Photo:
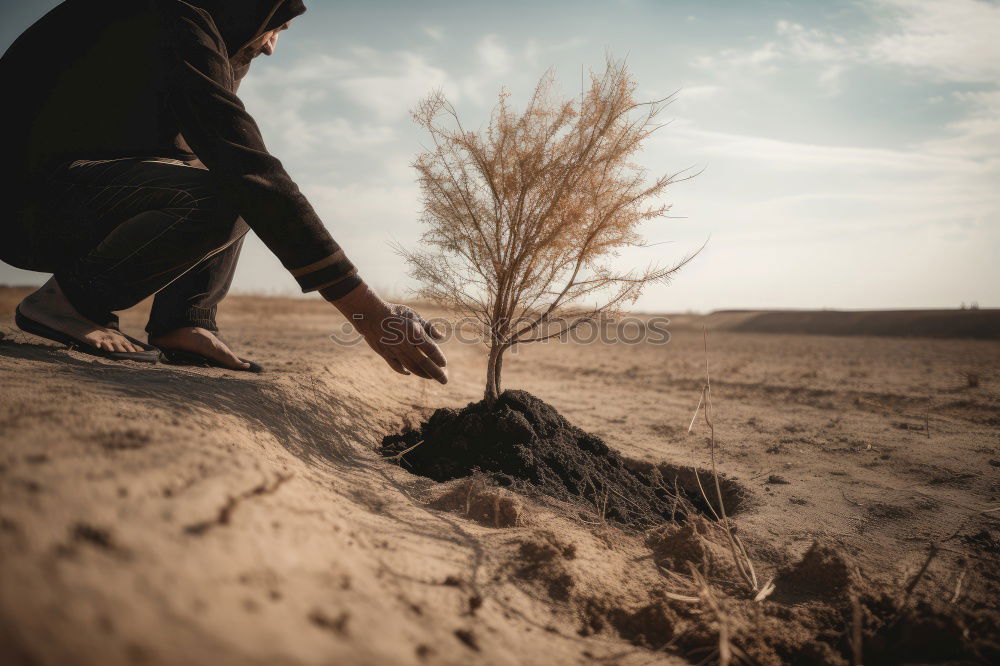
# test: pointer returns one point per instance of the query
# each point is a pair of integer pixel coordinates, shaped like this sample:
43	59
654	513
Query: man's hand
396	333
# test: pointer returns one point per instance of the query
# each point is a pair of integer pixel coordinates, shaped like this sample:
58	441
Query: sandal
178	357
150	354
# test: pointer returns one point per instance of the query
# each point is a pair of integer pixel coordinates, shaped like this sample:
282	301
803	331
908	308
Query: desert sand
165	515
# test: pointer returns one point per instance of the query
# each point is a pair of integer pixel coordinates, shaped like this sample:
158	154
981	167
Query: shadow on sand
312	426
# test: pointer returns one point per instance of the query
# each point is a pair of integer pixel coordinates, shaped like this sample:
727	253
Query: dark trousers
122	230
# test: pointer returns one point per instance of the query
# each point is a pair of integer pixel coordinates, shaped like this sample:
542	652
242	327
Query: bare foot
49	306
199	341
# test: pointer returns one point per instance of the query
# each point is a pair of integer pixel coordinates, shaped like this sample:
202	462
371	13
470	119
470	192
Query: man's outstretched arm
226	139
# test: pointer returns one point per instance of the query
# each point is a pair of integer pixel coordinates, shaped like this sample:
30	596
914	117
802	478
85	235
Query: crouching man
135	170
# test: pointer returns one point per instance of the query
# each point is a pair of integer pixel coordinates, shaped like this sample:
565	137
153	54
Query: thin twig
958	584
399	456
695	415
725	648
844	495
765	590
704	495
742	560
932	552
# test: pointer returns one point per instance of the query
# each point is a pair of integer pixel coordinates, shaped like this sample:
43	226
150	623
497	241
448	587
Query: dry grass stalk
686	588
473	482
524	216
399	456
958	584
678	501
741	557
694	417
725	650
765	590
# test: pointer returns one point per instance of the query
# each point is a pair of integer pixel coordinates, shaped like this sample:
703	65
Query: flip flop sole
178	357
151	355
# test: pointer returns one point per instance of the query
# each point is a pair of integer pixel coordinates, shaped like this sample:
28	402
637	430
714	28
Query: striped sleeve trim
319	265
325	277
341	287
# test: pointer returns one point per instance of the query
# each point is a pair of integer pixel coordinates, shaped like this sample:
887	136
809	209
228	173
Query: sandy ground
160	515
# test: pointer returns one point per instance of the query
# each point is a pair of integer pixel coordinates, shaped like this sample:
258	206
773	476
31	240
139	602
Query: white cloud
289	110
760	59
811	44
941	41
976	135
314	69
830	79
945	40
385	85
434	32
405	79
951	40
493	54
793	156
698	92
535	51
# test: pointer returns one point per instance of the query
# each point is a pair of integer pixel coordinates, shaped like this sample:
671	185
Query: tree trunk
497	367
493	366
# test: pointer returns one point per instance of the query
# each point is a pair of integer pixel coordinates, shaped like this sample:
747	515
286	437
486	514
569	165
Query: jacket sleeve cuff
341	287
325	273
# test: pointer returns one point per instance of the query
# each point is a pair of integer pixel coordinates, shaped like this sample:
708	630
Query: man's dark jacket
100	79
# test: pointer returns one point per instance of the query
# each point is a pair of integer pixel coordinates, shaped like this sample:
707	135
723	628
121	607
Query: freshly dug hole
525	444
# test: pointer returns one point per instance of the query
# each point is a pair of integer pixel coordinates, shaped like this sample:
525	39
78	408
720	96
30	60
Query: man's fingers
429	328
424	354
422	342
410	349
429	368
413	365
433	352
408	360
433	330
396	365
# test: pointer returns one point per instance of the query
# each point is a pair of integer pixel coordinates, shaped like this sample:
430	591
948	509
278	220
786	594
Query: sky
849	151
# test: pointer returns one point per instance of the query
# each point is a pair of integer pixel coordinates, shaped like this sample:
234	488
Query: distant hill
975	324
983	324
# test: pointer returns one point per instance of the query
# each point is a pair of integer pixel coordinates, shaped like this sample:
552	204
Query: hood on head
242	21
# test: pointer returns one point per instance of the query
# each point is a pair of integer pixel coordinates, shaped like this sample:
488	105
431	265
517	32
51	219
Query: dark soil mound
526	444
